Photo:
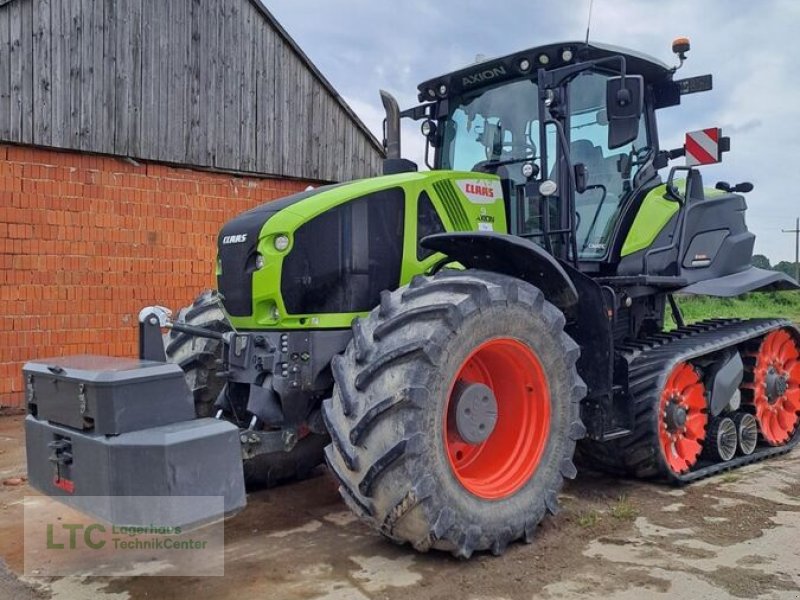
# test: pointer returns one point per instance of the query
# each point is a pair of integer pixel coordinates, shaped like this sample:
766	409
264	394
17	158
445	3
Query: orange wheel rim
499	466
683	418
776	387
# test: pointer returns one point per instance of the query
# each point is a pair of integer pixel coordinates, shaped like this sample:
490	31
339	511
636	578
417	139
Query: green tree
785	267
760	261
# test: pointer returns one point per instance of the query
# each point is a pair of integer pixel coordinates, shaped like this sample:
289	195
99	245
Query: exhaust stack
391	128
391	138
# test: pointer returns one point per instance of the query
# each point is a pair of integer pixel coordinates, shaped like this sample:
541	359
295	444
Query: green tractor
449	339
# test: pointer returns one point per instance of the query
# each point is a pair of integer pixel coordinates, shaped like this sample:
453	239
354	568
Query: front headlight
259	262
281	242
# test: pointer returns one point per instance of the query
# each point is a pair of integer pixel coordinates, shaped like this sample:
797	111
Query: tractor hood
239	241
318	258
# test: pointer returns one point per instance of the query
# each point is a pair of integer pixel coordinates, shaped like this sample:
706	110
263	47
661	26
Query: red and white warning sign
703	147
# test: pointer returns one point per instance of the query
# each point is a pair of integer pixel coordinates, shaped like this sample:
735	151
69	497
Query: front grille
237	245
235	283
342	259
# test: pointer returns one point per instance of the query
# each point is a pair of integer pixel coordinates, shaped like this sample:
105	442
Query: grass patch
588	520
623	509
730	478
749	306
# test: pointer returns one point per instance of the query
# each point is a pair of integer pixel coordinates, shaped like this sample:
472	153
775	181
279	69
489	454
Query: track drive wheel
455	412
669	428
773	386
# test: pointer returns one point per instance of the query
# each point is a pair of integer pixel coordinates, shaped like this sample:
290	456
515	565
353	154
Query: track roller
746	432
722	440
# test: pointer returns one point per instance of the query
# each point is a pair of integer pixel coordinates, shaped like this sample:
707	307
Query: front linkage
274	382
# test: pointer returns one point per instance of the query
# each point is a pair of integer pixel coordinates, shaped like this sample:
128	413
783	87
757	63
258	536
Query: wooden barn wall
198	82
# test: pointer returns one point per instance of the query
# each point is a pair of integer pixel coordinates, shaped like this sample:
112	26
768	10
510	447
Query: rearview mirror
624	106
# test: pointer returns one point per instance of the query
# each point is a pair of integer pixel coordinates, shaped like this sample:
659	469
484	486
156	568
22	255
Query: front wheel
200	358
455	412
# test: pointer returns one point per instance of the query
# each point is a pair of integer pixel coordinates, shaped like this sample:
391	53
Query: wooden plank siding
208	83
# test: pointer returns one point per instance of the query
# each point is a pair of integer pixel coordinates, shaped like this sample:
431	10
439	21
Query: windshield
495	127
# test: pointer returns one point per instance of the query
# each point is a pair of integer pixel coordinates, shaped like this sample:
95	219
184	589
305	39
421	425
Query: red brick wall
87	241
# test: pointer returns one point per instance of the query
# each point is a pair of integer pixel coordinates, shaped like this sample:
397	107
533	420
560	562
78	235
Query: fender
509	255
751	279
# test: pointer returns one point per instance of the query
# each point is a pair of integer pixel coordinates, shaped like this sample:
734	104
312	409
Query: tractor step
651	361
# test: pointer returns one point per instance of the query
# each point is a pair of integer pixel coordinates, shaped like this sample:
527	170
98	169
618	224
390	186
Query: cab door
609	172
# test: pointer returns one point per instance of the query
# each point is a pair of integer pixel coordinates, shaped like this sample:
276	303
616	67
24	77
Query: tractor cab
570	130
501	130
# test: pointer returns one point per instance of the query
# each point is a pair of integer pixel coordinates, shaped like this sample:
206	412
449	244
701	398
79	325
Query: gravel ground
735	536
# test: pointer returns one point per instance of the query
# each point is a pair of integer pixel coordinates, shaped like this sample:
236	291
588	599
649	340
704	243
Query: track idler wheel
722	440
774	387
683	417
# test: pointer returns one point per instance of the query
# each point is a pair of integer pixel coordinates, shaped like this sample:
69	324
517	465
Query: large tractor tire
201	360
455	413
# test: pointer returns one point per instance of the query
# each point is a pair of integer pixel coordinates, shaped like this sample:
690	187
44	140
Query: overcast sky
749	46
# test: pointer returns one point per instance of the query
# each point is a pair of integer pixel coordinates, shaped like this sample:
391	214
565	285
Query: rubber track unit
650	361
386	440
